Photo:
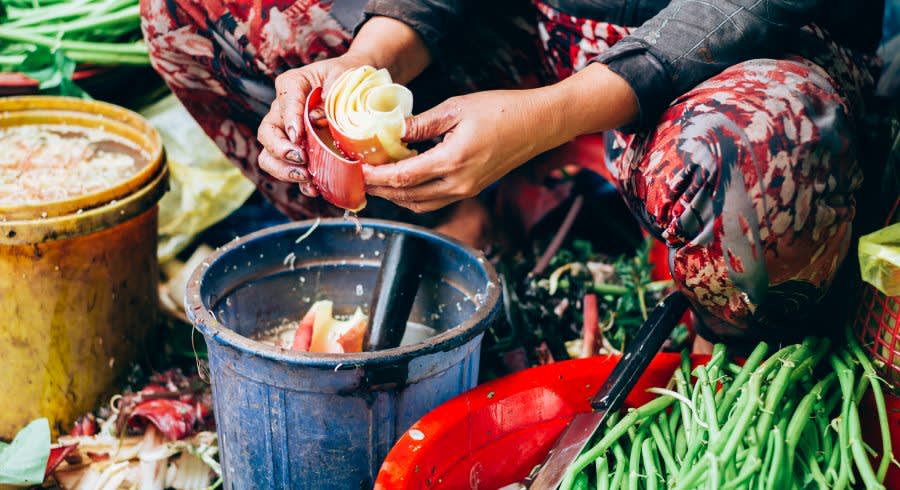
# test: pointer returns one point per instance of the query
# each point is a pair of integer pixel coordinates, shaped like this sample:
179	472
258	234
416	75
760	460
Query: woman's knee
749	178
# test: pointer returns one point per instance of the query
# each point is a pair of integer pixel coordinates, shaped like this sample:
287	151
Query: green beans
789	420
878	395
602	468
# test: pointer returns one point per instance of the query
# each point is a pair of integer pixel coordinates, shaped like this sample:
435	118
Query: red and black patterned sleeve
434	20
689	41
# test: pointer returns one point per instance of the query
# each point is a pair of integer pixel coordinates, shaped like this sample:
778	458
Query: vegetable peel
339	180
365	116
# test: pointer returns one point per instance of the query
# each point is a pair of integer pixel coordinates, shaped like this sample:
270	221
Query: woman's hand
281	130
382	42
488	134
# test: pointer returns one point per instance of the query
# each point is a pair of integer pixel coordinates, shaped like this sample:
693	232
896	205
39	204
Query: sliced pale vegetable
367	114
336	336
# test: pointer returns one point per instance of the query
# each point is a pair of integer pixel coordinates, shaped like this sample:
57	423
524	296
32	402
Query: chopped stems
560	236
21	36
128	15
92	32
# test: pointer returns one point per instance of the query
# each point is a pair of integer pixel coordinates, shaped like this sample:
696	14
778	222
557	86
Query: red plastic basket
878	326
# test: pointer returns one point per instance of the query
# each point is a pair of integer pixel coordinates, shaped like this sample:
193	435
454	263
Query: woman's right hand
281	130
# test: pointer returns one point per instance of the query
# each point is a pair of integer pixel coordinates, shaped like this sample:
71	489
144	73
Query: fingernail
292	134
298	174
295	156
308	190
316	114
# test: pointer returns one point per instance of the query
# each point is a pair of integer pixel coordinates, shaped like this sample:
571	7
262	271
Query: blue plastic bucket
300	420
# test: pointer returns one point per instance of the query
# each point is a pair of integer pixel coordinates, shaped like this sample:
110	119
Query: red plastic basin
496	433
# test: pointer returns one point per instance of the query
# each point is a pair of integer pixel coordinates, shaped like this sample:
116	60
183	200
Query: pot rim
204	320
52	109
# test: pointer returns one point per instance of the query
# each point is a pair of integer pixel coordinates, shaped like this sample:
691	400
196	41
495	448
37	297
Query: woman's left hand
486	135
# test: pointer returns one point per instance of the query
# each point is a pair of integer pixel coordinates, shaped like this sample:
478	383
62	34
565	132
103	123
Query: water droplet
351	217
416	434
366	233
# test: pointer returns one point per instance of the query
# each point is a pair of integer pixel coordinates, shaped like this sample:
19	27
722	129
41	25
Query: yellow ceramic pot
78	278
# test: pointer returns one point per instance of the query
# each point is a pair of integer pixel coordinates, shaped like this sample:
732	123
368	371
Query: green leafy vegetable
45	39
24	461
54	72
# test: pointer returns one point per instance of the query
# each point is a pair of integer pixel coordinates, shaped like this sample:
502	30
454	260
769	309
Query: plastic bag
879	259
204	186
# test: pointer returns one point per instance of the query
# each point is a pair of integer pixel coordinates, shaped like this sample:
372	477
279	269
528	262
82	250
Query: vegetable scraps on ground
583	304
159	437
45	39
365	114
788	419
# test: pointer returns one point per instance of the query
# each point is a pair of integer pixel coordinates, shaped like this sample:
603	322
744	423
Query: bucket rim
74	111
204	320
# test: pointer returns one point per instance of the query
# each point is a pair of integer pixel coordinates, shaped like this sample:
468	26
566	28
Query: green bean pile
786	421
97	32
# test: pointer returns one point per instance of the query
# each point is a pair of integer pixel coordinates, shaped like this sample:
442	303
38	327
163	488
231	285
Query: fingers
291	89
428	206
425	192
411	171
309	190
432	123
271	135
286	172
281	169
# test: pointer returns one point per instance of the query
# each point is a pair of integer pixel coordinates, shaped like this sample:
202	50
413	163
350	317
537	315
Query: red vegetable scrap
86	425
304	333
58	454
544	356
176	405
173	418
590	326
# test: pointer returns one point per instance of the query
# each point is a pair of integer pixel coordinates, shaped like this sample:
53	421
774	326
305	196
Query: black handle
395	291
647	342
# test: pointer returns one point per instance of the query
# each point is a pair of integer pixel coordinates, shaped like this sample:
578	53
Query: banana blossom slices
367	115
